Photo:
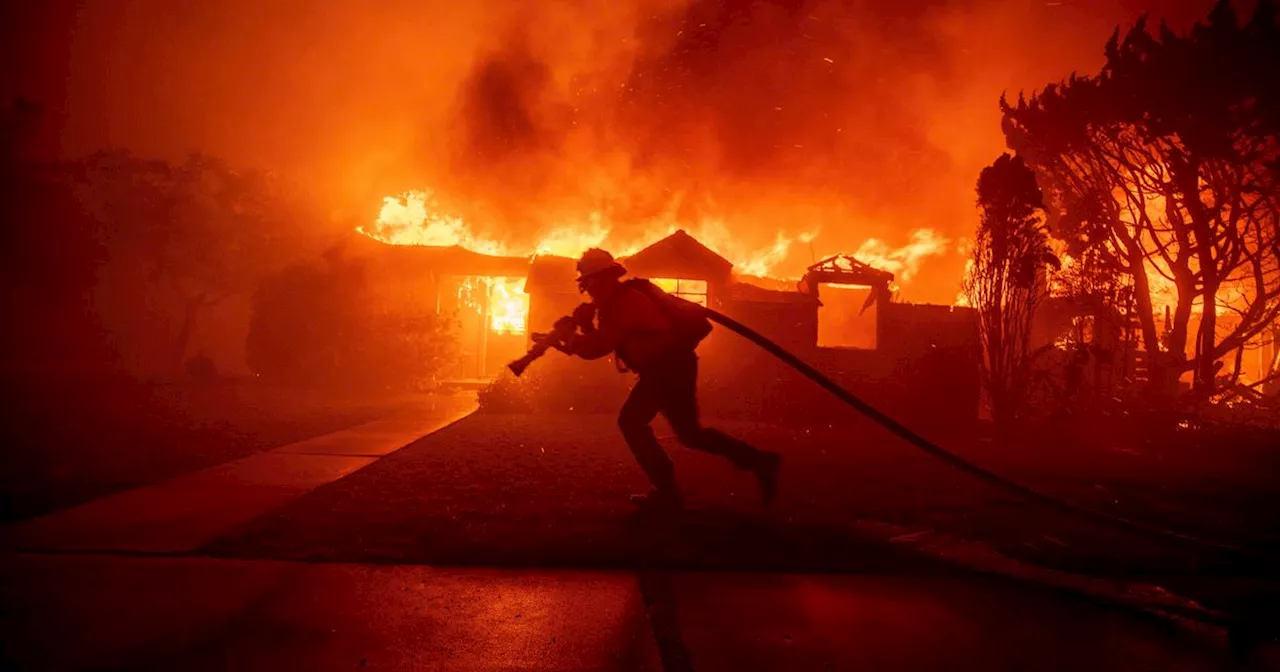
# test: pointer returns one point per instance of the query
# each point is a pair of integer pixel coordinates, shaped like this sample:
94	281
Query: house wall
545	307
924	372
937	349
924	369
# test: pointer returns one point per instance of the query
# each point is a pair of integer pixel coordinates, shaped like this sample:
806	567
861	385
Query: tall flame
903	262
508	306
416	218
572	241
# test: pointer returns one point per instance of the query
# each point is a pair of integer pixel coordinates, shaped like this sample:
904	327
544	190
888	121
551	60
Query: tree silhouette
49	255
1165	166
188	235
1005	280
319	323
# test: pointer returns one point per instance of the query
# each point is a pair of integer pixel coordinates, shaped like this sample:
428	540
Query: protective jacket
630	324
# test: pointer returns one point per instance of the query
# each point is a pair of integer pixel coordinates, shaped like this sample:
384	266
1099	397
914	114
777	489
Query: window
508	305
689	290
845	320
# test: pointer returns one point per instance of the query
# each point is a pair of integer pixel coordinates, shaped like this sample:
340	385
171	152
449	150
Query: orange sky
868	119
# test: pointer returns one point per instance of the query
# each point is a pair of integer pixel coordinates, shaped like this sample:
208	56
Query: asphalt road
507	542
504	489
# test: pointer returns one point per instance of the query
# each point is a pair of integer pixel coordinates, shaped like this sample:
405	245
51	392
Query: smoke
848	120
855	121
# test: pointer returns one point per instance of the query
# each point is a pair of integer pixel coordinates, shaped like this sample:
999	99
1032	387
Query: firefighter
642	326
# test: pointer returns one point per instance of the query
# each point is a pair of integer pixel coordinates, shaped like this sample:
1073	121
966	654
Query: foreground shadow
694	540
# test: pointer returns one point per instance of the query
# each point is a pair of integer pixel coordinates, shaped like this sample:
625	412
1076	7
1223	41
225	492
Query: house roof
552	273
679	255
844	269
453	260
746	292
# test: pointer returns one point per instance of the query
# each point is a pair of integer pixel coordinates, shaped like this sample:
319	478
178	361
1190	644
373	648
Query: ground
69	443
506	541
551	490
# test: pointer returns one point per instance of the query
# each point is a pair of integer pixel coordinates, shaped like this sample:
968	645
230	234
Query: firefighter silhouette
655	335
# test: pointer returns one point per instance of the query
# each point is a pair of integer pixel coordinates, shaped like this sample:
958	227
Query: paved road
355	573
70	612
184	513
498	489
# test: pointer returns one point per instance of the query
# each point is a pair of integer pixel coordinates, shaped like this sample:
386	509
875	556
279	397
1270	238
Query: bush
319	324
557	384
201	369
401	350
509	394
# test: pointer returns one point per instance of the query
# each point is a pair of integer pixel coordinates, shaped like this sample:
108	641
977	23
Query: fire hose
906	434
1244	630
556	339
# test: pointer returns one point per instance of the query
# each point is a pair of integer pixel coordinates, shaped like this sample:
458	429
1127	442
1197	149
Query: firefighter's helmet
596	262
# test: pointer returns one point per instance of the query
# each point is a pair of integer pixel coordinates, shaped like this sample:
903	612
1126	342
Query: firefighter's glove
584	316
566	325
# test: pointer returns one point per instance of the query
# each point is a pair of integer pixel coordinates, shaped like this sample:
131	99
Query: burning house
919	360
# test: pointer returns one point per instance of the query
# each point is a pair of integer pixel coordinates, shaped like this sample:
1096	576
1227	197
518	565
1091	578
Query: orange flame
572	241
508	306
416	218
903	262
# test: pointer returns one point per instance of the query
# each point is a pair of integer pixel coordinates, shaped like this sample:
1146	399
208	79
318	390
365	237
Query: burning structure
840	315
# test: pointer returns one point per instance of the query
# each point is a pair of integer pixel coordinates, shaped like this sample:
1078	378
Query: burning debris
495	308
416	218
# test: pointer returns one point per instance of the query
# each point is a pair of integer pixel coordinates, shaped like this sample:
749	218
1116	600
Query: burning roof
447	260
664	249
843	269
679	255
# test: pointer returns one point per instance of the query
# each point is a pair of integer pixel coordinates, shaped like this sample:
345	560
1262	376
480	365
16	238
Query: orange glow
538	114
570	241
903	262
690	290
505	298
1151	228
416	218
508	306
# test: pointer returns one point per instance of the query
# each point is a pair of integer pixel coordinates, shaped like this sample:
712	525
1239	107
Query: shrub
319	324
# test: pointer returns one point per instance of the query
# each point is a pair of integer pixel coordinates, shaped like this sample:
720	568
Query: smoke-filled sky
851	119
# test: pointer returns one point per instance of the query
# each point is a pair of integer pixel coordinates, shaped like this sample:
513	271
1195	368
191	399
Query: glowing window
508	305
846	320
689	290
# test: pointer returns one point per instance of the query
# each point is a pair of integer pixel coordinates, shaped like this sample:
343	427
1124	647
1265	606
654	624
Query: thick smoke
849	119
856	120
